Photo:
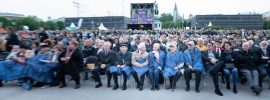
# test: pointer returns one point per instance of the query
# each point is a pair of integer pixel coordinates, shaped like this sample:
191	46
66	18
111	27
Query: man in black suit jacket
122	62
212	65
105	59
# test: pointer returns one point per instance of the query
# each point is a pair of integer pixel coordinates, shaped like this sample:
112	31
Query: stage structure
142	16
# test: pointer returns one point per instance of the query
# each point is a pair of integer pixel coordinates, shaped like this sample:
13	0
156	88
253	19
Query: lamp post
49	19
196	26
182	23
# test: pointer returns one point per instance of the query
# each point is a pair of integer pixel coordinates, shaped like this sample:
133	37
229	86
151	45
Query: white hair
102	41
200	39
246	44
16	46
141	45
108	43
156	44
256	37
97	40
251	42
264	41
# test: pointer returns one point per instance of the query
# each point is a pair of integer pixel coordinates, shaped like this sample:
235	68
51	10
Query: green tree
5	22
166	17
27	21
50	25
268	26
265	23
61	25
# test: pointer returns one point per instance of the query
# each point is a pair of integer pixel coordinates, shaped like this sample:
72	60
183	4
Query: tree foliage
166	17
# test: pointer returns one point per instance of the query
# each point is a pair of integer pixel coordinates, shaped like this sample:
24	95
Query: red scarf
68	53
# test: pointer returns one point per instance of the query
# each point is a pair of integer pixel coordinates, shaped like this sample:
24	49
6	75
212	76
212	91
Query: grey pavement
87	92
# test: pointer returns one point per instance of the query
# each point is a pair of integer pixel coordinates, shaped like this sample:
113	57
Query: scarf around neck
69	52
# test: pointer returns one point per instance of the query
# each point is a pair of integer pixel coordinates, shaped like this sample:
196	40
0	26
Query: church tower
175	13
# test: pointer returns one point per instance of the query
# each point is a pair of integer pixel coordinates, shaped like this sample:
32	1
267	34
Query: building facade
110	22
247	22
11	15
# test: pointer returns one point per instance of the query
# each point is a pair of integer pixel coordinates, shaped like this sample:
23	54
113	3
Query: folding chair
89	65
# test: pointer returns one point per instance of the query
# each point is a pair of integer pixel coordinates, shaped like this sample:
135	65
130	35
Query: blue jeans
154	73
263	70
227	73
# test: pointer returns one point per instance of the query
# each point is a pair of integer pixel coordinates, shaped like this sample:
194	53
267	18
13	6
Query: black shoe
124	87
222	79
197	89
138	86
157	88
86	78
1	84
257	90
109	85
77	86
228	86
62	85
234	89
153	87
141	88
218	92
115	87
99	85
188	88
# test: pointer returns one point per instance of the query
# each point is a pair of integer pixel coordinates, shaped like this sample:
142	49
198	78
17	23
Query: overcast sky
65	8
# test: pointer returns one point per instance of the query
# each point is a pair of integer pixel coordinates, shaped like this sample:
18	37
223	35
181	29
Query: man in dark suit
105	59
212	65
263	61
122	65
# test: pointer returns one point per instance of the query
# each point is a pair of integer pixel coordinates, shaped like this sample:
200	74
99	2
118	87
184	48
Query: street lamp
49	18
182	23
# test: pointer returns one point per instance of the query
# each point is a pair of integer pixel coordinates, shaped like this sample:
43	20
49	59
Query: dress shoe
218	92
99	85
62	85
115	87
141	88
234	89
228	86
1	84
138	86
77	86
169	86
124	87
187	88
86	78
257	90
109	85
153	87
157	88
197	89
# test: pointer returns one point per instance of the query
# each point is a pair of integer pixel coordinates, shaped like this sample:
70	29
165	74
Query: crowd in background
244	53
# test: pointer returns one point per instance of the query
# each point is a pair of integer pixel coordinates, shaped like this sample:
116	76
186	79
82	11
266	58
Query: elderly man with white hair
263	61
140	65
247	65
252	47
200	45
105	59
156	62
193	63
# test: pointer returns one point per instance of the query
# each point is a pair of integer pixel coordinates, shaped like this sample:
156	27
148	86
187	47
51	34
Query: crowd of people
42	58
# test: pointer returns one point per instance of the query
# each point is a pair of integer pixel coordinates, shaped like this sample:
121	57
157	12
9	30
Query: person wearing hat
173	67
156	60
200	45
218	47
212	65
45	51
193	63
234	47
122	65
